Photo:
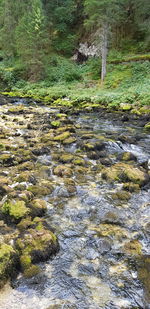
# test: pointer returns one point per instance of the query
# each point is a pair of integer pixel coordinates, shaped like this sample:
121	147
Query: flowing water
92	270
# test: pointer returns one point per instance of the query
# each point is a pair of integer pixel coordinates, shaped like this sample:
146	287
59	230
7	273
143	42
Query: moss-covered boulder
127	156
122	195
62	137
66	158
123	172
110	230
15	210
42	189
147	126
38	207
63	171
36	243
8	261
7	159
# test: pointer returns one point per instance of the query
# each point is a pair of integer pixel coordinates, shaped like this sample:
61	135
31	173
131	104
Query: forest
62	45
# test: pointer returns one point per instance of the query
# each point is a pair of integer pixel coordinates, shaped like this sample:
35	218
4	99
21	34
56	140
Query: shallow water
91	271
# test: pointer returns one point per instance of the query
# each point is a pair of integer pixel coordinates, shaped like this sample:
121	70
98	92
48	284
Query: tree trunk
104	51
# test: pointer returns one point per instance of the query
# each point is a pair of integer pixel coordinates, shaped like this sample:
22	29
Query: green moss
55	124
16	109
110	230
125	106
15	209
78	161
6	158
59	115
133	247
147	126
7	262
63	171
38	207
25	261
39	190
62	137
32	271
69	141
66	158
121	195
124	173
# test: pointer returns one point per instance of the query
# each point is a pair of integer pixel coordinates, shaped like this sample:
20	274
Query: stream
104	256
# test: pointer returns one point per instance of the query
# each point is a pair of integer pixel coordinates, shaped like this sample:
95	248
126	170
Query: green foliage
62	70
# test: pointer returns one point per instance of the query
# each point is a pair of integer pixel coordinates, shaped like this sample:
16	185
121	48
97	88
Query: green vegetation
38	39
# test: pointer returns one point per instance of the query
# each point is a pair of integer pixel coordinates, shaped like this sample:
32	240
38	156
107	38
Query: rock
131	187
38	207
66	158
133	247
127	156
62	137
7	159
110	230
121	195
8	262
42	189
125	106
15	210
147	126
55	124
62	171
36	244
123	172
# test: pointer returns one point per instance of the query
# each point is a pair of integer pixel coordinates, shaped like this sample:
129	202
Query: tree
8	24
32	38
101	16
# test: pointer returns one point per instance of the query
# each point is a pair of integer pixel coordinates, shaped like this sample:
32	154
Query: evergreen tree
7	26
32	38
101	16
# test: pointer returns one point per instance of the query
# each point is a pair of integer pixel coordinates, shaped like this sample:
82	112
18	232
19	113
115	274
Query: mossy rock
62	137
131	187
25	224
147	127
125	106
38	207
40	190
15	210
55	124
78	161
26	166
7	159
121	195
61	115
49	137
122	172
143	268
133	247
16	109
128	156
63	171
36	244
110	230
66	158
8	260
69	141
32	271
24	177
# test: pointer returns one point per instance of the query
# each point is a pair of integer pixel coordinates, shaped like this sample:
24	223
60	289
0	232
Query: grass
125	83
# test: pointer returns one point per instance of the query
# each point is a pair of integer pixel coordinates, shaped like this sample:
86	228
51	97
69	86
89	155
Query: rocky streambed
74	208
